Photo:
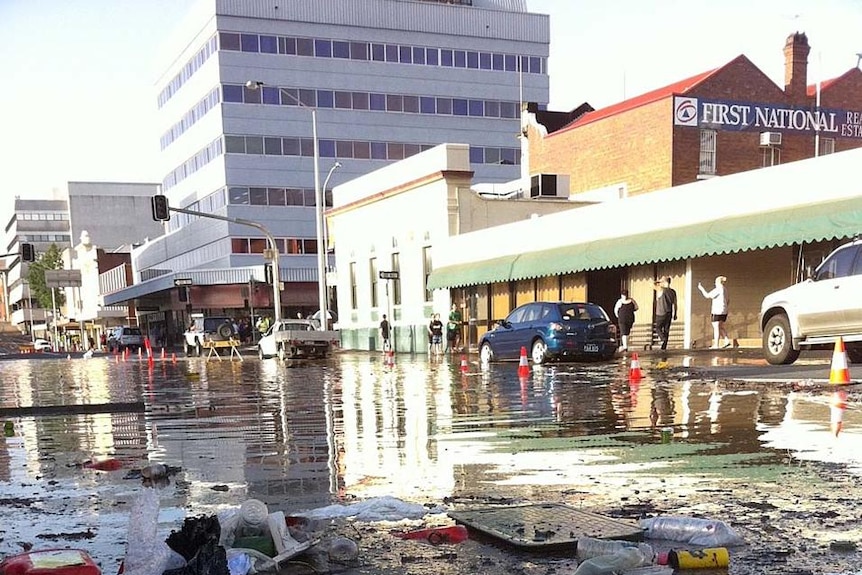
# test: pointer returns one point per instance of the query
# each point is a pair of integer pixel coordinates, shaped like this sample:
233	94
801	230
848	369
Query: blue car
551	331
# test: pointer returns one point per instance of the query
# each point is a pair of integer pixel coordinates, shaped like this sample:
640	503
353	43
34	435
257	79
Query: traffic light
161	210
267	273
28	254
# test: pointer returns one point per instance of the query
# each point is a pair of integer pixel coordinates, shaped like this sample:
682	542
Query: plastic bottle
154	471
343	549
706	532
252	519
624	559
589	547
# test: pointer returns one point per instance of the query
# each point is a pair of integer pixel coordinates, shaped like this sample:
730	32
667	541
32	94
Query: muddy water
298	436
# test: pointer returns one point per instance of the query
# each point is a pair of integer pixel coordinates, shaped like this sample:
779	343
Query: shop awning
806	223
478	273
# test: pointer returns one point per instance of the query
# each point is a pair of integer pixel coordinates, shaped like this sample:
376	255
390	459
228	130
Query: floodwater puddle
299	437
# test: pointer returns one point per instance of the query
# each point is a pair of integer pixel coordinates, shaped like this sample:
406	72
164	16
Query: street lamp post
318	204
334	167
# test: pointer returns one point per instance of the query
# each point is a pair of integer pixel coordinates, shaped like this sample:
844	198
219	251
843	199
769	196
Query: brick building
722	121
650	164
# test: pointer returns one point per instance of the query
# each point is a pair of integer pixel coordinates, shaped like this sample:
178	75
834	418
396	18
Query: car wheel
539	352
778	341
225	331
260	353
486	355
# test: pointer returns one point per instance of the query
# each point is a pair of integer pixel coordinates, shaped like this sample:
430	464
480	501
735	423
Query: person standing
384	332
720	302
665	309
453	329
625	309
435	334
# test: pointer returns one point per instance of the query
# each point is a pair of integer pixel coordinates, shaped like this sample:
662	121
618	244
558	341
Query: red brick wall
632	148
641	148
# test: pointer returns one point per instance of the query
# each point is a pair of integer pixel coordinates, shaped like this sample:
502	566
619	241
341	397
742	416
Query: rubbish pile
248	539
600	557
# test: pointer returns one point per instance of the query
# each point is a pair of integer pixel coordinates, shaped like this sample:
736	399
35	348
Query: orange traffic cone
635	373
173	357
464	367
523	365
837	406
163	353
839	374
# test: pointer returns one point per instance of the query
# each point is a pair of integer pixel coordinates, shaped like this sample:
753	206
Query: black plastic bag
195	532
210	559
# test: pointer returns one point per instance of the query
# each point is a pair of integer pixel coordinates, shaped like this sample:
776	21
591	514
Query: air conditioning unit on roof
770	138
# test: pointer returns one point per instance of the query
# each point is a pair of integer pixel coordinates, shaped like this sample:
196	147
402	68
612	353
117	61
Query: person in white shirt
720	301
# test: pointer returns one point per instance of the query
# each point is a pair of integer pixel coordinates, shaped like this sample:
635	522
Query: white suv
815	312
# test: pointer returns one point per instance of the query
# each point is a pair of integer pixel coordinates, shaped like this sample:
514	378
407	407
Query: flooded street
303	436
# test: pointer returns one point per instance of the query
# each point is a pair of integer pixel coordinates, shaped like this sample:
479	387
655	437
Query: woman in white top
720	301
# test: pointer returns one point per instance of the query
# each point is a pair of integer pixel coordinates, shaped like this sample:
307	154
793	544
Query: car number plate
591	348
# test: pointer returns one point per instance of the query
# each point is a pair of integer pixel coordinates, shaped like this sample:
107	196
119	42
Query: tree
52	259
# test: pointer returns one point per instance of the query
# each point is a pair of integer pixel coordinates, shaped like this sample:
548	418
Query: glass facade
380	52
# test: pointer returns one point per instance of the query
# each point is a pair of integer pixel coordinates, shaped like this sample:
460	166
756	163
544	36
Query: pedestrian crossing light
161	210
267	273
28	253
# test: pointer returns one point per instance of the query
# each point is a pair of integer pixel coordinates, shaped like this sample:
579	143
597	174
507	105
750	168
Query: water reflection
295	436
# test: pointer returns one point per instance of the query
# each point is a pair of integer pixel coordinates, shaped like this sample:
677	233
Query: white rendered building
387	78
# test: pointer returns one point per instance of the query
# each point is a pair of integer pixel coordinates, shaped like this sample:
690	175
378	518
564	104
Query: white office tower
387	79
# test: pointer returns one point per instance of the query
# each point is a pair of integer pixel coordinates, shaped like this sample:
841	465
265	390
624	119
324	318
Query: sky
79	97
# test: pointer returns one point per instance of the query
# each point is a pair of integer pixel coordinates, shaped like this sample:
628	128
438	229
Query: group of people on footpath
435	332
453	332
666	312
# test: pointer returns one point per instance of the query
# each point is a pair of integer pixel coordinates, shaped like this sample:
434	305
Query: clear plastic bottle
343	550
154	471
624	559
252	519
705	532
589	547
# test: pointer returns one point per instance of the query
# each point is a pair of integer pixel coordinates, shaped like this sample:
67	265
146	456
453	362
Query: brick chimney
796	51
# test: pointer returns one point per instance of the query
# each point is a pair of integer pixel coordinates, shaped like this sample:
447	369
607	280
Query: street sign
179	282
389	275
62	278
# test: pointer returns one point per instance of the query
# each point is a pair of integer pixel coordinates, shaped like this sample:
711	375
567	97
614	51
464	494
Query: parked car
814	313
551	331
295	339
205	329
42	345
125	337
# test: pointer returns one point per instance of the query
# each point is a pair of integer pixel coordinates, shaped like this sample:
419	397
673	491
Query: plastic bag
210	559
194	533
146	554
704	532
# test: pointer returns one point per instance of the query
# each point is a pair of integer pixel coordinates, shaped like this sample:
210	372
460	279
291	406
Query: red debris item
50	562
436	535
104	464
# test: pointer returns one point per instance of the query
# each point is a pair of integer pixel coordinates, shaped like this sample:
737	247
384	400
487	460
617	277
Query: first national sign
183	282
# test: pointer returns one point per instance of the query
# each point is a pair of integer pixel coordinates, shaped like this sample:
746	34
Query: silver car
125	337
814	313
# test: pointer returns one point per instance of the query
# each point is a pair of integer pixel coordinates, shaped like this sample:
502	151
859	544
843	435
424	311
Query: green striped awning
807	223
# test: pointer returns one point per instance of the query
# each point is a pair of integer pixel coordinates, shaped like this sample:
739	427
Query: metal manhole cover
545	525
